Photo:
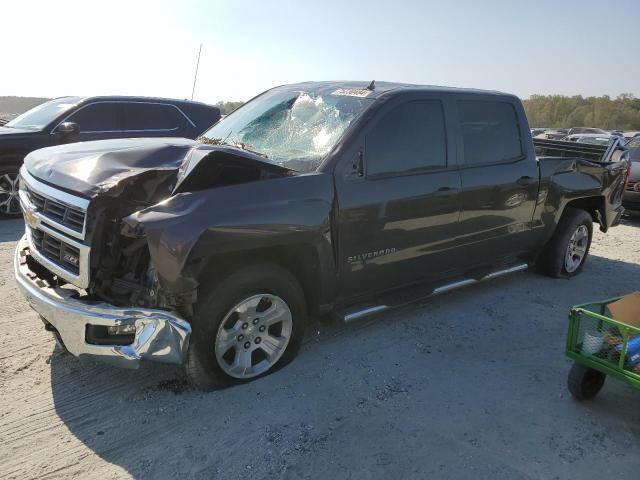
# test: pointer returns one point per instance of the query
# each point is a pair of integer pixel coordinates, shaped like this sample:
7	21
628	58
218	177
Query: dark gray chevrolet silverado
311	198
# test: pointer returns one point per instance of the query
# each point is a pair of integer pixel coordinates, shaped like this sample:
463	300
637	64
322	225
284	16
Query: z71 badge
361	257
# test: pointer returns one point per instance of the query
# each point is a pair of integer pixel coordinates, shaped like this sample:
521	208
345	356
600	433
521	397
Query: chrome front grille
66	215
58	251
56	226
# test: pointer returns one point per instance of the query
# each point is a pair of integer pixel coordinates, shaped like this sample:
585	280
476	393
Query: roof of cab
381	88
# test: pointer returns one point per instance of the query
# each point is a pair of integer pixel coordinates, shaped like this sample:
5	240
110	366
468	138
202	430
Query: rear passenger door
499	178
143	119
397	214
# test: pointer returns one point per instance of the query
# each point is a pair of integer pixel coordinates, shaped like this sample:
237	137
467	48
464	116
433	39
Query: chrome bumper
160	336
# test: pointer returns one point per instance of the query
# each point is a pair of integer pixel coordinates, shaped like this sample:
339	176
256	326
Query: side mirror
68	128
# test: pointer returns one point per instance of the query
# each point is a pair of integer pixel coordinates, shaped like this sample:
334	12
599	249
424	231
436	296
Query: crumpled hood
91	168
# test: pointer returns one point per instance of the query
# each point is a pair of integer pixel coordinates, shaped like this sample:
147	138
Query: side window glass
490	132
151	116
410	137
97	117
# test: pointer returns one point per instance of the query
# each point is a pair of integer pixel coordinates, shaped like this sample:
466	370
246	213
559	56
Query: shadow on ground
11	230
468	384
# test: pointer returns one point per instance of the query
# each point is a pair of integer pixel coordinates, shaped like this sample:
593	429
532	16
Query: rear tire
566	252
584	383
9	200
247	326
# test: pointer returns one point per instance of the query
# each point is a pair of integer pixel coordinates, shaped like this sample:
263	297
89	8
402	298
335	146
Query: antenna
195	77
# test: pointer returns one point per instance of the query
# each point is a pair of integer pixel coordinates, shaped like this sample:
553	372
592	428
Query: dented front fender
278	212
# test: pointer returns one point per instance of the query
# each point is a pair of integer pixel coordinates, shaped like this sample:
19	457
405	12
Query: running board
352	315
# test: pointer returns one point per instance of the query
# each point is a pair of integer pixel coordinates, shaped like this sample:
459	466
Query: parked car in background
631	199
592	138
312	198
553	134
628	136
537	131
577	130
79	119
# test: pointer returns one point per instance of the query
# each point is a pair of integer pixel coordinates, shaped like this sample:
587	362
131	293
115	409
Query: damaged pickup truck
311	198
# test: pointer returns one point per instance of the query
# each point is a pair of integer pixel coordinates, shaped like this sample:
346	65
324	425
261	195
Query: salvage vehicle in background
592	138
628	136
553	134
589	130
631	199
537	131
312	198
79	119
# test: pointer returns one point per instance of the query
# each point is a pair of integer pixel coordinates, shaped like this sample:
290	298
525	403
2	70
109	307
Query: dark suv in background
80	119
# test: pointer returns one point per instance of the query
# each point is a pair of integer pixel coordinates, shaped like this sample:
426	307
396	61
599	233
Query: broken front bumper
160	336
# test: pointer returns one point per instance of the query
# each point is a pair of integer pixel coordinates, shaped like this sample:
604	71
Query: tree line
559	111
227	107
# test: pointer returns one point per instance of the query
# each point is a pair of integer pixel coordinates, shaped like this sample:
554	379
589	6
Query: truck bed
561	148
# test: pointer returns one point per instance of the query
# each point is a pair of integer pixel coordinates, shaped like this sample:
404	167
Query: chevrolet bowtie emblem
30	218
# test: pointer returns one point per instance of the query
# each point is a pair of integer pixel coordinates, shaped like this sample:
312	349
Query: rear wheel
247	326
584	383
9	189
566	252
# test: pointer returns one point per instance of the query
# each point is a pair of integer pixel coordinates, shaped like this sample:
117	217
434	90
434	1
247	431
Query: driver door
397	217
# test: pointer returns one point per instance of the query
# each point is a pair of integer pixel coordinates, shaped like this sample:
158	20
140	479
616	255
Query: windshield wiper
240	145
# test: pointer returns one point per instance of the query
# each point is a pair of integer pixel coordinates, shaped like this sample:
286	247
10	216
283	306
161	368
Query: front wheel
9	189
247	326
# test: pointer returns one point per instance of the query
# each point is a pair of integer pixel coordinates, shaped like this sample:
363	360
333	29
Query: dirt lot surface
467	385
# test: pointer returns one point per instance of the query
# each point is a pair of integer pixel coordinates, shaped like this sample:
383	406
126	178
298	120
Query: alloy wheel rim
253	335
9	190
577	249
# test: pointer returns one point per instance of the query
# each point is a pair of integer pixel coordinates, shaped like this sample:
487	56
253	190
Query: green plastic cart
599	346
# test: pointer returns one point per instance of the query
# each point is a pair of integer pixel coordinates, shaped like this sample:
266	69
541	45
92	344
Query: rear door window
490	132
409	138
98	117
151	116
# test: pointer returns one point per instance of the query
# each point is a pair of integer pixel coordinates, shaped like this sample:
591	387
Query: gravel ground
467	385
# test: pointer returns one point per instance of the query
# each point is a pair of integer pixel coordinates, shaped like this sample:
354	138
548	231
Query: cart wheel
584	383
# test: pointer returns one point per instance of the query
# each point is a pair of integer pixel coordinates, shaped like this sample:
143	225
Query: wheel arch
11	159
303	261
593	205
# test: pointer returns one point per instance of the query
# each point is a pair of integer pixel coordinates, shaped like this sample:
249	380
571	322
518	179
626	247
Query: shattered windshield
291	128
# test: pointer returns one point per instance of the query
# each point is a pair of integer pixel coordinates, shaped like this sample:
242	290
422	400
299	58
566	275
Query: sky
115	47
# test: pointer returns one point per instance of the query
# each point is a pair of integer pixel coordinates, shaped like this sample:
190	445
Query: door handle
444	192
525	180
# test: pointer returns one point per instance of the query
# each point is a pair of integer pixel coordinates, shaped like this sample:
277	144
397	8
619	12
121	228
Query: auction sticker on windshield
352	92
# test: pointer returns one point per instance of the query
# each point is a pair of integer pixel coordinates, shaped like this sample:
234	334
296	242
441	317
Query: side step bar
352	315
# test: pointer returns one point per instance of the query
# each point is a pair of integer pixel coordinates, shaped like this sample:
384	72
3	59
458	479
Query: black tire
202	367
584	383
551	261
10	170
